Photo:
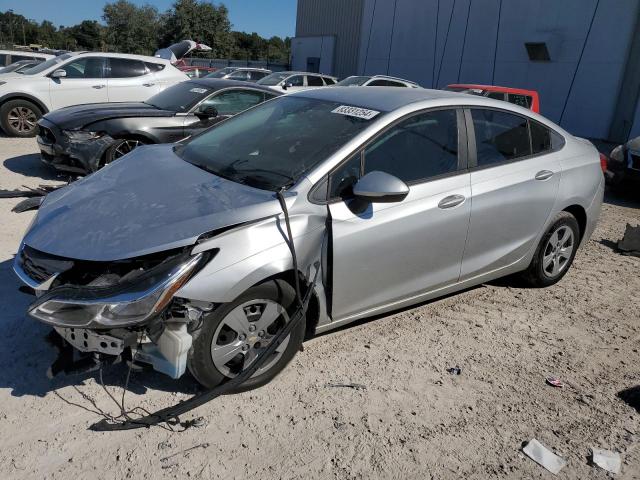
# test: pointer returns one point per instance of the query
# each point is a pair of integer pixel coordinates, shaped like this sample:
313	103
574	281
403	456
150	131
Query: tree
131	29
88	35
199	21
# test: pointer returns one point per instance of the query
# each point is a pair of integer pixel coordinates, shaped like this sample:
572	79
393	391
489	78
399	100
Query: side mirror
380	187
59	73
287	85
207	112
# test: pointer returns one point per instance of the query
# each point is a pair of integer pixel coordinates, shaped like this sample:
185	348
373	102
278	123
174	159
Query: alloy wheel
125	147
558	251
244	333
22	119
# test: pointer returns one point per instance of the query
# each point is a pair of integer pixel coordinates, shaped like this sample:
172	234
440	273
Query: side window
295	81
496	95
126	68
258	75
385	83
421	147
17	58
154	67
520	100
231	102
3	59
329	81
343	179
85	67
313	81
500	136
240	75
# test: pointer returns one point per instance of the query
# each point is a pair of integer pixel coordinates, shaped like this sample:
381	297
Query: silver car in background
397	196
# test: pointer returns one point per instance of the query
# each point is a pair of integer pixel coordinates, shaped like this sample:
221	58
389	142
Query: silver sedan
181	252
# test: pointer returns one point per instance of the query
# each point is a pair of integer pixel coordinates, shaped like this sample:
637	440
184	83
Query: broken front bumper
68	155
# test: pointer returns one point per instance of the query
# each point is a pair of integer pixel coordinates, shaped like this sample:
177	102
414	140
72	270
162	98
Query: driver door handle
98	87
544	174
148	84
451	201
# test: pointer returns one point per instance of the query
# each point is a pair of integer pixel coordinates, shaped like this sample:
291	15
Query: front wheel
234	334
555	253
19	118
121	148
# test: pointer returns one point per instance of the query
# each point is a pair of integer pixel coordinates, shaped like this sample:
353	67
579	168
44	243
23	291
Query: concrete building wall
338	18
437	42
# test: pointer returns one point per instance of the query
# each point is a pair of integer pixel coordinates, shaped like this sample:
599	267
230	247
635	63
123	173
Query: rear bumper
593	213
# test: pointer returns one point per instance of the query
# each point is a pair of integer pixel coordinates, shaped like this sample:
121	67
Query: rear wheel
234	334
19	118
555	253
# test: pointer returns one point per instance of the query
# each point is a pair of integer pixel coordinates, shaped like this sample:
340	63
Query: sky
266	17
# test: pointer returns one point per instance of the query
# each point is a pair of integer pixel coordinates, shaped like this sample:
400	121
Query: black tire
26	113
201	364
116	150
536	275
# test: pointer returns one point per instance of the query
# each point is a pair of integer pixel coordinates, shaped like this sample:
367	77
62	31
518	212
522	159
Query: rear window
154	67
500	136
314	81
126	68
520	100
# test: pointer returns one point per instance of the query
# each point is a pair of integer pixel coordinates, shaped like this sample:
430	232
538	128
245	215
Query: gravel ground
411	419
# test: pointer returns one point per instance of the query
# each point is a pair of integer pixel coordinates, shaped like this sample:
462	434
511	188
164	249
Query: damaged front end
105	308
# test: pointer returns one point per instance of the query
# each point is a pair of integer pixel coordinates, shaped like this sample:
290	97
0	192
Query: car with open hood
83	138
78	78
195	255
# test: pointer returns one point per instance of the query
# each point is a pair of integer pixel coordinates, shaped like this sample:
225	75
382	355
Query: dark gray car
83	138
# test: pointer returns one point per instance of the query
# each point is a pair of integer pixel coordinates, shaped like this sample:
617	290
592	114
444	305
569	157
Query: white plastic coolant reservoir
169	356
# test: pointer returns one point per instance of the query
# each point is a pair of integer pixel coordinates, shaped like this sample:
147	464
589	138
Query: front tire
235	333
19	118
555	252
120	148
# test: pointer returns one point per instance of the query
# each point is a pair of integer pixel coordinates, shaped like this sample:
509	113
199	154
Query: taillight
603	162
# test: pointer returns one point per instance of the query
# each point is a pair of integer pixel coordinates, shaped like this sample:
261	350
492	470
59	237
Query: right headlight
86	308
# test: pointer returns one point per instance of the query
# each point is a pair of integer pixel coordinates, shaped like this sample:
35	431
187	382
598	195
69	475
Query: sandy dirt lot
412	419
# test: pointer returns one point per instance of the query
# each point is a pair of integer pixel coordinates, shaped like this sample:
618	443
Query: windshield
273	79
180	97
46	65
274	144
222	72
352	81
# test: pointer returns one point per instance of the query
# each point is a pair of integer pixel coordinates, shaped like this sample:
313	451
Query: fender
24	96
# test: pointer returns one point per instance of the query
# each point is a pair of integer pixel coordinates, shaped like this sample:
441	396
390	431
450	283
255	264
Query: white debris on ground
413	419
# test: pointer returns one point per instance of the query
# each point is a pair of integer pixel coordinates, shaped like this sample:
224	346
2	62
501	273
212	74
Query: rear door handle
148	84
544	174
451	201
98	87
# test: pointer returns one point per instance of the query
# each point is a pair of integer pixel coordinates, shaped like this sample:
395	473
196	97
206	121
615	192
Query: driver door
384	253
85	83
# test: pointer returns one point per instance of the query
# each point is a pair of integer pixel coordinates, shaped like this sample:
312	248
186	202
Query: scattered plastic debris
630	243
555	382
454	370
355	386
607	460
543	456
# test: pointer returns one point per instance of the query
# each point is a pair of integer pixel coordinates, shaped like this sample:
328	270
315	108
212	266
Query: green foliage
129	28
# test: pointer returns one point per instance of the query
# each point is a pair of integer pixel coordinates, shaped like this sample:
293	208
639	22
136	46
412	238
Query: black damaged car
83	138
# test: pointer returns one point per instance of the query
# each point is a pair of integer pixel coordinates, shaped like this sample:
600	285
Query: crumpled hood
146	202
78	116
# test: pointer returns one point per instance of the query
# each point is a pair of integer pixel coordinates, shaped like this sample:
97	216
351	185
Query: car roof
389	77
371	97
294	72
220	83
144	58
492	88
27	52
253	69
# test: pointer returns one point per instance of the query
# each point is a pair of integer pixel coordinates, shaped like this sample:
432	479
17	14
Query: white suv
294	81
77	78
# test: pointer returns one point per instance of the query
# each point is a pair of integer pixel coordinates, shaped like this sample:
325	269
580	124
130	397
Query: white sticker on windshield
199	90
357	112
